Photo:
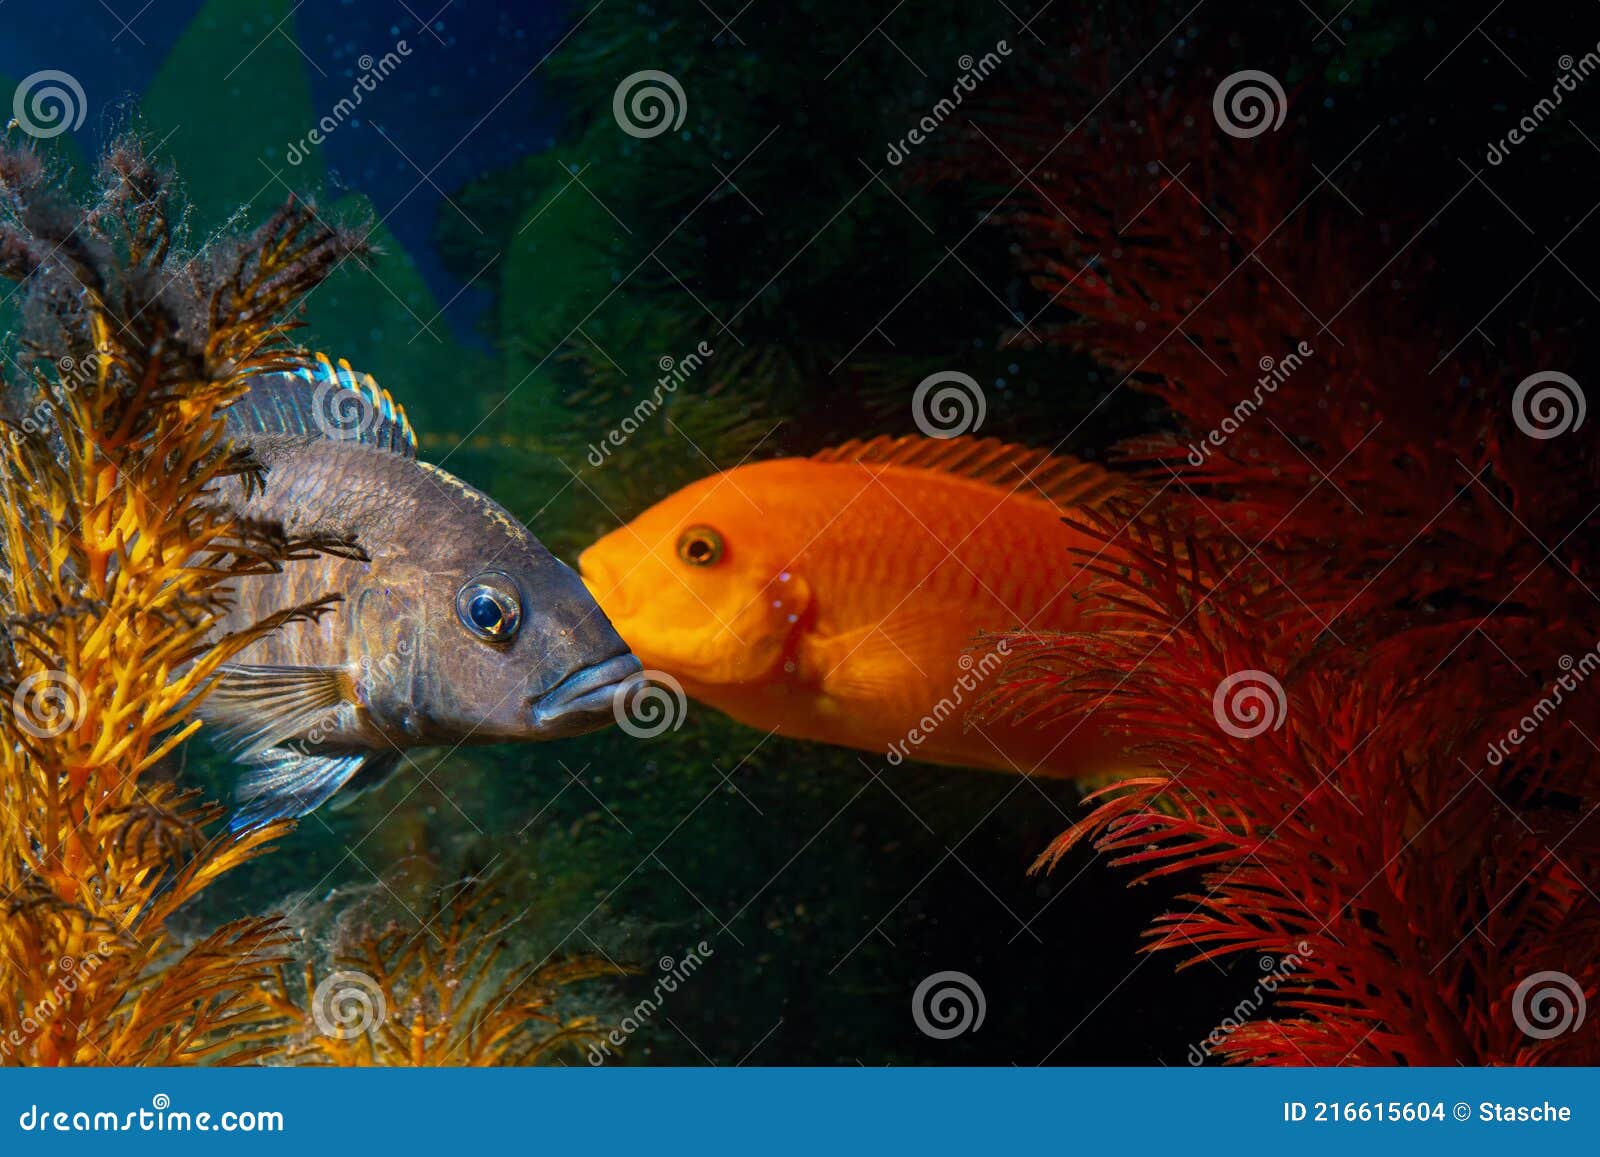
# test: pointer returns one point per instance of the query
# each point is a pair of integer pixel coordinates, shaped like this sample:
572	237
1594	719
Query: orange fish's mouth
607	592
601	587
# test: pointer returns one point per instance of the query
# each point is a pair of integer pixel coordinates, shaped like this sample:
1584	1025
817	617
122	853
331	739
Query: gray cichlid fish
458	626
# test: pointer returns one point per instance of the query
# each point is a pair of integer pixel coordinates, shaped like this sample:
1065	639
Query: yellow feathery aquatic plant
439	993
117	566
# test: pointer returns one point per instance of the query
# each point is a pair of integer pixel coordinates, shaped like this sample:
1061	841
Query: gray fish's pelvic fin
323	400
373	775
259	707
287	784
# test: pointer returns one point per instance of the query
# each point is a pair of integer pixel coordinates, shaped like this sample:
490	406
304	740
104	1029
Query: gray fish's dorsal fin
324	400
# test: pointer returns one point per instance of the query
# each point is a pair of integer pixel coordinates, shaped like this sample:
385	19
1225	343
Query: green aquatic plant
821	274
227	123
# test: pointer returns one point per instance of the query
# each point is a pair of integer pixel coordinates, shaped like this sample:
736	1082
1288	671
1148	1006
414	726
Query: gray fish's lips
583	700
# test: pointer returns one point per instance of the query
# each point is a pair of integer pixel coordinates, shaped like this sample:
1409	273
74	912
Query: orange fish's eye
700	546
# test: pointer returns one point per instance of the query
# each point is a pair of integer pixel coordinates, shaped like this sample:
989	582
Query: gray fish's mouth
582	701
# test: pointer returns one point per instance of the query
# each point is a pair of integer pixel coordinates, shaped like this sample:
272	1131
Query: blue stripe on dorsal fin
324	400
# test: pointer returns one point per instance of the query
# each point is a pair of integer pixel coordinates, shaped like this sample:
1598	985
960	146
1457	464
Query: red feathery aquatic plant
1360	630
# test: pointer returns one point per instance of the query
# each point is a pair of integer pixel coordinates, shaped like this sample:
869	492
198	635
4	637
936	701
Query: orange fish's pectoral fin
877	662
259	707
1067	482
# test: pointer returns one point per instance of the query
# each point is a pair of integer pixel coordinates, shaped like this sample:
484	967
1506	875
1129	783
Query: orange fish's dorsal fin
1067	482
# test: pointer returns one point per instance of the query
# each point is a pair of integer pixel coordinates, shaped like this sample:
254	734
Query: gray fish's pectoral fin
286	784
256	708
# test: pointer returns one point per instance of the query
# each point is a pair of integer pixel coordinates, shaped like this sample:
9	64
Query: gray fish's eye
490	607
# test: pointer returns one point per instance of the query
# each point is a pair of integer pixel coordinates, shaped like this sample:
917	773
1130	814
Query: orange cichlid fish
841	598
